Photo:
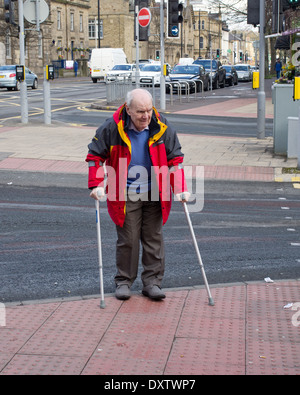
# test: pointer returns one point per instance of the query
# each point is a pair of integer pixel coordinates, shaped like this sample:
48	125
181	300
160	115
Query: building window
201	43
81	23
72	22
8	44
58	20
93	29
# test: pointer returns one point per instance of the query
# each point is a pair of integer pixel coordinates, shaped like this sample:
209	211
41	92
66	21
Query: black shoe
123	292
153	292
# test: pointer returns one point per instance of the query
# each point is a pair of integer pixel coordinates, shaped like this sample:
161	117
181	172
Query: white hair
131	95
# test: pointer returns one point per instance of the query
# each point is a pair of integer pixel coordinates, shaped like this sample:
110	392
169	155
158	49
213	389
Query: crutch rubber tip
102	304
211	302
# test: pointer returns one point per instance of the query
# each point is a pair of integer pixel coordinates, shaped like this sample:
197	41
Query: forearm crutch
102	303
210	299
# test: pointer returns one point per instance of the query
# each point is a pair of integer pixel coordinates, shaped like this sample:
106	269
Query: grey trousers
143	224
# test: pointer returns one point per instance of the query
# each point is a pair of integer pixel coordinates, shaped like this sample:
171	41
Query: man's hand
97	193
183	196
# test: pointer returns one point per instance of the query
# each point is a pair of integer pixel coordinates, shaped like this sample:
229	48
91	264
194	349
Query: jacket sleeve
97	155
175	160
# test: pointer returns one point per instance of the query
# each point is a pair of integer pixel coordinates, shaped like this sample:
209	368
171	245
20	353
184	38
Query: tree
235	11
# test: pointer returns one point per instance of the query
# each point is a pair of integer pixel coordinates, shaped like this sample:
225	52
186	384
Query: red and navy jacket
111	145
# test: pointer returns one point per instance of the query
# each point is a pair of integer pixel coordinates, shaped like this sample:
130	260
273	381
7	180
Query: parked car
231	75
148	72
195	75
120	71
218	73
244	72
8	78
254	68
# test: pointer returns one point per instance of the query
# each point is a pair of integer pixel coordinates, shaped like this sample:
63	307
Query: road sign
30	11
144	17
175	31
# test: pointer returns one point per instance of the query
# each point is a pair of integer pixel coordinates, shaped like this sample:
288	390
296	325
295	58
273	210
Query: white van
185	61
104	59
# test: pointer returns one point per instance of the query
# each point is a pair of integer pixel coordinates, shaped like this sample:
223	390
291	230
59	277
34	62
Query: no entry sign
144	17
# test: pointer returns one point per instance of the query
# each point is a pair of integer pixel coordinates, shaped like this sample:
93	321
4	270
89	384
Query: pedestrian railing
116	90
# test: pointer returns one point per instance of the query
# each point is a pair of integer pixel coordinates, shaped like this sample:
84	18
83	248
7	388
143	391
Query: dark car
193	76
218	73
231	75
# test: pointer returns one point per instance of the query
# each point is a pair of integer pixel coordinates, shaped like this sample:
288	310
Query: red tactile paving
44	365
13	163
210	340
247	332
271	335
51	166
243	173
226	109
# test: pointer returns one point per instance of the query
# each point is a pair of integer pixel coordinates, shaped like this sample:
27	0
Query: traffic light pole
162	57
137	70
261	96
23	86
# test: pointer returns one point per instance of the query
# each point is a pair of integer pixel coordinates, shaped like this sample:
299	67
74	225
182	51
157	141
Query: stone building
208	28
37	44
71	31
69	27
63	35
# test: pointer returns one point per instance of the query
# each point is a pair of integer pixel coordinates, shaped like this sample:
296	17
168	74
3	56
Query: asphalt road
246	231
71	102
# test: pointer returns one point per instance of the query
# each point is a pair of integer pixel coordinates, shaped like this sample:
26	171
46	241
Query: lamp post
23	86
199	28
99	26
261	96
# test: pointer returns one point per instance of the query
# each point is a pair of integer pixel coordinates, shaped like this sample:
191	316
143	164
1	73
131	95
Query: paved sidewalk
41	148
247	332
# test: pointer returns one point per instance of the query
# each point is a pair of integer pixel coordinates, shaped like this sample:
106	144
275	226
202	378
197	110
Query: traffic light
241	56
253	12
290	4
277	17
49	72
218	53
157	54
9	14
143	31
174	18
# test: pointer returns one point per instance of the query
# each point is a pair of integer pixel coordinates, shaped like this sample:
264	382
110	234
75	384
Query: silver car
120	72
244	72
8	78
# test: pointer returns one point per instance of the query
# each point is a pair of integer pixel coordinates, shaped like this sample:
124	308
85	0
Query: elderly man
143	163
